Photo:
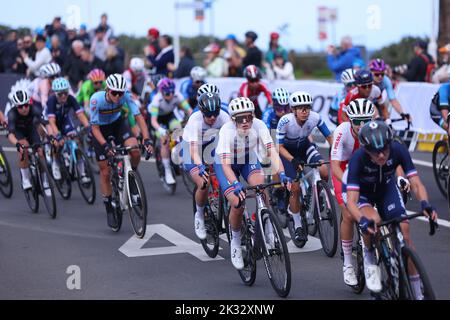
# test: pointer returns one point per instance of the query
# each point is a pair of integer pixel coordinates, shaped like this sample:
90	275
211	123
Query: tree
397	53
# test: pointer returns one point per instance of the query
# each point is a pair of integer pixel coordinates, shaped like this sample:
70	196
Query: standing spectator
71	37
280	69
109	32
10	52
73	67
232	46
166	56
441	75
28	46
58	29
114	42
234	64
418	69
274	47
99	44
254	55
90	62
59	54
43	56
340	61
20	66
113	63
186	63
215	65
83	35
153	48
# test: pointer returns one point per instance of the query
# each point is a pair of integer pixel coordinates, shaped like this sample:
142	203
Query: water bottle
66	159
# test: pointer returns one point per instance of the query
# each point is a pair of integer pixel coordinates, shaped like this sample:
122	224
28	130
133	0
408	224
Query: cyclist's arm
83	119
418	188
227	170
281	134
325	131
267	94
52	122
352	204
336	170
143	126
2	118
193	150
12	128
185	106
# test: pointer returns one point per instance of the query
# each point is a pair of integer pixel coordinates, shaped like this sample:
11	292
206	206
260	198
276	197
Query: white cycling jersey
344	144
161	107
197	130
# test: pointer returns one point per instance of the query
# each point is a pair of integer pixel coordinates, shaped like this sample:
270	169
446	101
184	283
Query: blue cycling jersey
444	96
104	112
61	111
270	118
386	84
371	179
338	98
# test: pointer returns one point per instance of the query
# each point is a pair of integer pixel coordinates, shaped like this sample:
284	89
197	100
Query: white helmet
300	98
137	65
207	88
116	82
348	76
360	109
20	98
240	105
198	74
50	70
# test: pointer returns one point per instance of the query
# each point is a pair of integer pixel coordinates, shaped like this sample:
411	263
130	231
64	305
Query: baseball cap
421	44
231	37
274	35
153	32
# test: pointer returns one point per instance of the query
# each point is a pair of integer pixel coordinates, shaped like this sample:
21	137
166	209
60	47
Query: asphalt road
41	258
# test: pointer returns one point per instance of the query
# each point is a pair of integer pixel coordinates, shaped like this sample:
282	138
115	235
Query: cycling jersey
161	107
61	113
189	91
386	85
253	93
24	127
270	119
375	96
440	102
40	90
87	90
104	112
335	105
136	82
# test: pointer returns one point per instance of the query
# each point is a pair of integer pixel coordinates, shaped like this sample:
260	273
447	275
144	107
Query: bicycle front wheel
414	265
440	168
47	189
326	218
248	274
138	204
84	170
31	195
64	184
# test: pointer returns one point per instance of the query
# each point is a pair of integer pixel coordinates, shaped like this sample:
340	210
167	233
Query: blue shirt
343	61
386	84
444	95
61	111
104	112
270	118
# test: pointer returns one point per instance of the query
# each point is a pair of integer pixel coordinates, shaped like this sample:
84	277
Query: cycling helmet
251	72
375	135
198	74
207	87
209	104
300	98
137	65
116	82
360	109
96	75
240	105
363	77
280	97
377	65
60	84
20	97
50	70
166	86
348	76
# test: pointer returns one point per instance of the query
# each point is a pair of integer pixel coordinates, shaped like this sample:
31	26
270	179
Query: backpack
431	68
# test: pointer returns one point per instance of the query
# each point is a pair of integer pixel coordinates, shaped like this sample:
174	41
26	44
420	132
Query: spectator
58	29
109	32
186	63
234	64
215	65
99	44
280	69
114	42
416	70
43	56
28	46
153	48
166	56
71	37
10	52
113	63
441	75
253	55
73	67
231	46
59	54
83	35
20	66
90	61
340	61
274	48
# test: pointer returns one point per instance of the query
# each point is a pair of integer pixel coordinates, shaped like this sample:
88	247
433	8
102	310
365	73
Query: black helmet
363	77
375	135
209	104
252	35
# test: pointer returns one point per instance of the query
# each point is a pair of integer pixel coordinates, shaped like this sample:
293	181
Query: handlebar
403	119
258	188
314	165
433	225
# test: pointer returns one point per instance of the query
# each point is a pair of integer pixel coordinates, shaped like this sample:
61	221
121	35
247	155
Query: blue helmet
375	136
363	77
60	84
209	104
280	97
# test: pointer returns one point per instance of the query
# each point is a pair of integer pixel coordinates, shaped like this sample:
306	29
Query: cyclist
348	79
237	154
58	109
211	88
345	143
371	181
253	88
23	122
190	86
201	131
136	77
364	89
439	108
296	149
382	81
106	121
95	82
272	116
161	110
40	87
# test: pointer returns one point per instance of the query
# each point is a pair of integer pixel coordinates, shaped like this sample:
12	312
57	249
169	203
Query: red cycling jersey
253	93
375	96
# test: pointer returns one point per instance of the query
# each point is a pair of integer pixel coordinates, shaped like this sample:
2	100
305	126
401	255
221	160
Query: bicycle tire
248	274
390	274
89	198
140	223
329	221
64	185
427	289
49	201
358	263
31	195
440	175
6	184
282	287
116	199
225	215
281	215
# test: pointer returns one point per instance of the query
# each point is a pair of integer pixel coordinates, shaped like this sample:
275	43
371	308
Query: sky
373	23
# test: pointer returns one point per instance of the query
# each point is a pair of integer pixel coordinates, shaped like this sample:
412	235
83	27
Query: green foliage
398	53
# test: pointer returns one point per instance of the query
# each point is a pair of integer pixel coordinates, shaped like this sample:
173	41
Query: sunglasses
303	108
377	74
350	85
376	152
98	83
168	93
23	106
282	108
117	93
366	86
214	114
359	122
62	93
241	119
253	80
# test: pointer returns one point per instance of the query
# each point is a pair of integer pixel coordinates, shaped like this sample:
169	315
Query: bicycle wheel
276	257
389	269
188	182
326	219
279	208
248	274
6	181
47	191
225	215
440	168
358	263
64	185
87	190
31	195
412	261
116	203
138	204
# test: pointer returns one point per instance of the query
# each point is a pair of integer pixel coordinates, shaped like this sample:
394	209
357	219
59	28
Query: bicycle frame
71	147
125	194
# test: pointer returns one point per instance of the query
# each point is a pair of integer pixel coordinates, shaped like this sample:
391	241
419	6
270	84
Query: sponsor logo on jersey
338	140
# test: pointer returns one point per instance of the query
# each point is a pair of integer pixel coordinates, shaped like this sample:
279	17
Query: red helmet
153	32
96	75
252	73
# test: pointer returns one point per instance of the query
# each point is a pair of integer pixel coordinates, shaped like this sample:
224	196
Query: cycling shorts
168	121
208	154
31	135
119	129
244	170
306	152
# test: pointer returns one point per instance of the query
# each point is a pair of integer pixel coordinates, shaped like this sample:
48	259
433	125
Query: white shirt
42	57
344	144
197	130
164	107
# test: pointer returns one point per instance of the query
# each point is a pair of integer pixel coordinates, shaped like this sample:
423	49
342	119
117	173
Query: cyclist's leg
313	156
124	136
